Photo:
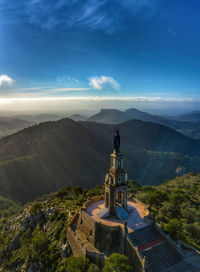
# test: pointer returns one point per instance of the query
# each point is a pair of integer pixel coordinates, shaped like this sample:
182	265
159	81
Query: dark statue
117	140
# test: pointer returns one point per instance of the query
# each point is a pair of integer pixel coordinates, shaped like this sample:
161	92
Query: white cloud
98	98
68	79
99	82
49	90
6	80
106	15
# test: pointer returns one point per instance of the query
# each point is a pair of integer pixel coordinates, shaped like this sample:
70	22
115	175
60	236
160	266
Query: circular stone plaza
135	219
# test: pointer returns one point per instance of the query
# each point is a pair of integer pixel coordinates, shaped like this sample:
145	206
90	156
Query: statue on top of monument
117	140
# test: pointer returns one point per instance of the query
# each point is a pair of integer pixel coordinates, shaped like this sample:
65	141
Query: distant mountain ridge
113	116
78	117
12	125
48	156
38	118
189	117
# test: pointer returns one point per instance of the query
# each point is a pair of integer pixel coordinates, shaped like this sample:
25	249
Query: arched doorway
119	199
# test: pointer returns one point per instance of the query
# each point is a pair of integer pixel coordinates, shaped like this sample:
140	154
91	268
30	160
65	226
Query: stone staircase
144	235
160	257
158	252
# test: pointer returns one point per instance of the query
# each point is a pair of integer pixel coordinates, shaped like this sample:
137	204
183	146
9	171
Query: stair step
144	235
161	256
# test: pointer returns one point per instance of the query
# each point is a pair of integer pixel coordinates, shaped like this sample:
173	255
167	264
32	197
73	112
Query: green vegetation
72	264
35	235
176	206
8	207
40	159
117	263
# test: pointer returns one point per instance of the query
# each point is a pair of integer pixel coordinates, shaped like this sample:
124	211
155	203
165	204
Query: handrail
168	238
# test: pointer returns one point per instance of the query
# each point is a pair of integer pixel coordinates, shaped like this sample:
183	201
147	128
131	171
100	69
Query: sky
98	52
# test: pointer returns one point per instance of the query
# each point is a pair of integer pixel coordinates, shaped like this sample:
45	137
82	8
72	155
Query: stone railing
92	200
168	238
189	247
85	214
75	217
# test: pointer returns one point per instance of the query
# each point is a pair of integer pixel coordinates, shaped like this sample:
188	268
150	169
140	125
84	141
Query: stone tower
116	180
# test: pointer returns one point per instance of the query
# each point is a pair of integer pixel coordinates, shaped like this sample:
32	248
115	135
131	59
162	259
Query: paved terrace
137	212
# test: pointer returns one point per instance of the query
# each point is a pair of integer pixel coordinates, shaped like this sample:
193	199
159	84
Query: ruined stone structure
114	223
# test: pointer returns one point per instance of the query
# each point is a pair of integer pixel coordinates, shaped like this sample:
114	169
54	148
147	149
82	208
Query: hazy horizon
65	108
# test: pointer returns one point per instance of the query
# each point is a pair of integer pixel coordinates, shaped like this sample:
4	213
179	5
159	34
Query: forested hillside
176	205
43	158
34	236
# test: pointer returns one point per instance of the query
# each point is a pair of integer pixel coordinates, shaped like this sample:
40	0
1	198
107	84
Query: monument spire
117	140
116	180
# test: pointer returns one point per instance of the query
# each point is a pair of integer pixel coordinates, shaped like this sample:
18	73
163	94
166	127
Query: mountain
112	116
12	125
48	156
78	117
36	119
109	116
189	117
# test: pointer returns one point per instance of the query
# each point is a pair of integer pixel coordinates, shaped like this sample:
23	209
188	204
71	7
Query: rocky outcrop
15	244
32	220
65	250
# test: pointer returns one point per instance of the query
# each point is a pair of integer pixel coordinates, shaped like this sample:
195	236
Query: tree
73	264
93	268
177	197
117	263
156	198
174	228
36	208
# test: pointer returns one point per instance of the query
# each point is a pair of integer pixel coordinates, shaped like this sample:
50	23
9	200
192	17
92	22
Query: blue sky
100	48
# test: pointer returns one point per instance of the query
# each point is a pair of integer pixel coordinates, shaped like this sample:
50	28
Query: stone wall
87	225
92	200
105	239
133	254
77	247
108	238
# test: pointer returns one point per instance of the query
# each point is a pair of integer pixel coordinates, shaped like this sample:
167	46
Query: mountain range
12	125
45	157
182	123
189	117
188	124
